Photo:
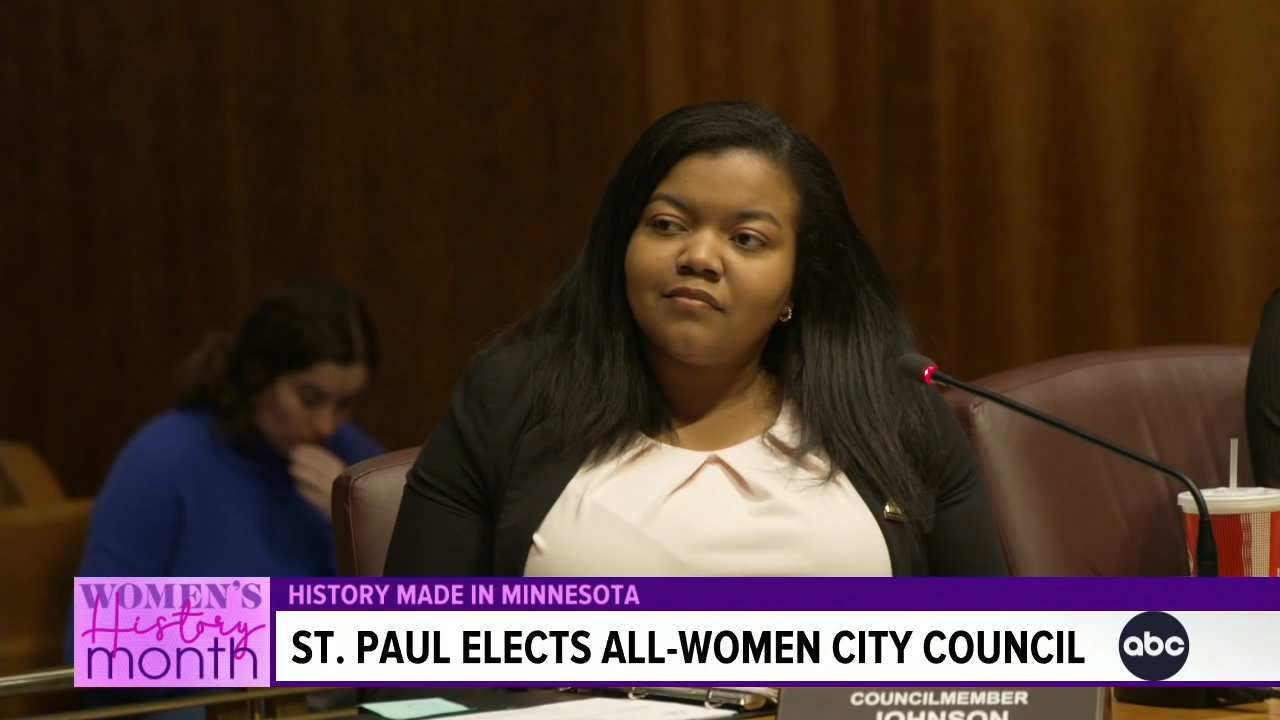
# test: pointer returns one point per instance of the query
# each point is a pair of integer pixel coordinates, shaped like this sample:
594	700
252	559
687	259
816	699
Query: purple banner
172	632
769	593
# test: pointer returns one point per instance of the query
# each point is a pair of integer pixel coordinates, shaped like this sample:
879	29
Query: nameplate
944	703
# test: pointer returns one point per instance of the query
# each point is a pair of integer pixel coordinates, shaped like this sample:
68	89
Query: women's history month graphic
172	632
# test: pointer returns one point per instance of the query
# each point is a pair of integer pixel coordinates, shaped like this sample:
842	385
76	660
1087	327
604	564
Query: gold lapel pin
893	512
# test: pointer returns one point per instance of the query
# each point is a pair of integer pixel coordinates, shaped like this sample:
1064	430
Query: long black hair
304	322
589	380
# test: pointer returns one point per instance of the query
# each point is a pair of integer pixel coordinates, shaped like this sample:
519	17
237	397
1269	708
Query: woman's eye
748	240
666	227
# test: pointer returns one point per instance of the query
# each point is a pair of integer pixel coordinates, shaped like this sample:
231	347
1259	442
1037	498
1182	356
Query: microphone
923	370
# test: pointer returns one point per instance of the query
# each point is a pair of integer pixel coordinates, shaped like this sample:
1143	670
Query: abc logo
1154	646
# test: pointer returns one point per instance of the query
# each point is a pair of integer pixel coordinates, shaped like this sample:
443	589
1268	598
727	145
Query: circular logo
1154	646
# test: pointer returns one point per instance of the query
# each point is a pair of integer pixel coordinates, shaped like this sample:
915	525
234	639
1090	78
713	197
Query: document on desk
414	709
611	708
770	693
738	698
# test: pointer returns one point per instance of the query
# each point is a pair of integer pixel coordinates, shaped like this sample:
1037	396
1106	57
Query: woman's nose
701	255
325	423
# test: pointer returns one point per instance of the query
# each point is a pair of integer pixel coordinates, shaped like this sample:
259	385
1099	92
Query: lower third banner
679	631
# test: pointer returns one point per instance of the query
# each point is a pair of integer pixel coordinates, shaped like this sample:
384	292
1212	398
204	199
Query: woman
710	391
1262	397
236	481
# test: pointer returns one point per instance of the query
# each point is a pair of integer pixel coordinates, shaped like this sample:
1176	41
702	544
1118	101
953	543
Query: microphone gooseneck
918	368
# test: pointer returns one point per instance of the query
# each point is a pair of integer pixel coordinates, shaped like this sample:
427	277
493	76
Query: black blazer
486	478
1262	397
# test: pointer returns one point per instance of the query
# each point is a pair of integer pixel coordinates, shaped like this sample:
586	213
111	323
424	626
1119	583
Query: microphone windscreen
915	368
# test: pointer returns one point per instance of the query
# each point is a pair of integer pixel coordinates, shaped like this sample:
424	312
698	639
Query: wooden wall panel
1038	178
856	76
1108	172
169	162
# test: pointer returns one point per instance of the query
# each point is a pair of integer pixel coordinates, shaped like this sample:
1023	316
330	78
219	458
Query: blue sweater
181	501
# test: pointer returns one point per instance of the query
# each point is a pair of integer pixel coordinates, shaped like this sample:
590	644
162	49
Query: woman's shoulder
500	361
1266	341
175	433
489	404
1271	313
496	374
164	447
353	444
951	461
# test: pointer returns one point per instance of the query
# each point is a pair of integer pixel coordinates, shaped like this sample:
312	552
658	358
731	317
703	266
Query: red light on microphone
928	373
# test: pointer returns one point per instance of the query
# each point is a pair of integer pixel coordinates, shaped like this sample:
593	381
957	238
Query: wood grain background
1038	178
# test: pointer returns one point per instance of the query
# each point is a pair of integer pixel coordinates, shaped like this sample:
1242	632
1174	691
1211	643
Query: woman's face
307	407
710	266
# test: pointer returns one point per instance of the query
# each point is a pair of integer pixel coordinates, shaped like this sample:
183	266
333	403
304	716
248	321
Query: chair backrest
25	478
366	499
42	535
1066	507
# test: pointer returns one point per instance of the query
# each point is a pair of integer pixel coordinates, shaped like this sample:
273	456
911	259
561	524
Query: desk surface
486	699
1125	711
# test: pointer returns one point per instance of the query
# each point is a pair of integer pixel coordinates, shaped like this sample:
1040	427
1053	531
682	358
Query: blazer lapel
893	525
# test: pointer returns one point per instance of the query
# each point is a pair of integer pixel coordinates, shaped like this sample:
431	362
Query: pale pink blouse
661	510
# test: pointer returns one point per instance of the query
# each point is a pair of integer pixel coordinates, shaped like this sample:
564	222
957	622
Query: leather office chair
366	499
1066	507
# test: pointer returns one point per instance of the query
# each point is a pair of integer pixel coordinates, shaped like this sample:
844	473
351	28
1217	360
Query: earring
786	314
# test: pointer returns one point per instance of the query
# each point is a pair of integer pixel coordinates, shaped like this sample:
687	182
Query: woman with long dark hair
709	391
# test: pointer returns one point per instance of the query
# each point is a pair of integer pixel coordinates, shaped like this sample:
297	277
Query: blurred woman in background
236	480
